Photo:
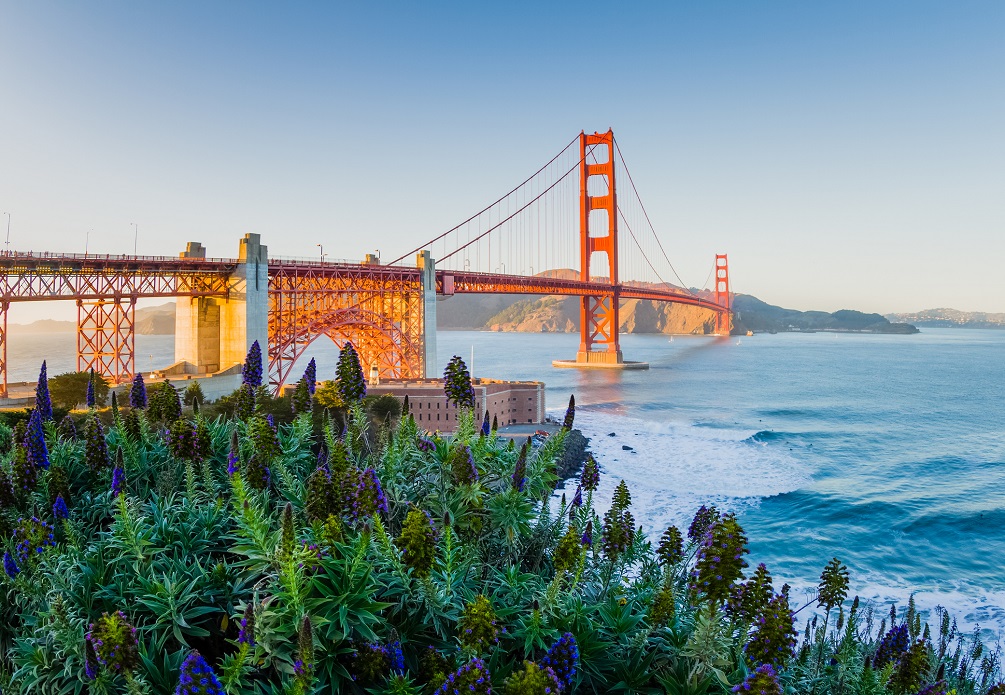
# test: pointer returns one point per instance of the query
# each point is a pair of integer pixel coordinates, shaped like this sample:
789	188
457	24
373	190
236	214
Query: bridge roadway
381	306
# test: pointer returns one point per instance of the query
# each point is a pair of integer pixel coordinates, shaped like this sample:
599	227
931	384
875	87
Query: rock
612	434
625	447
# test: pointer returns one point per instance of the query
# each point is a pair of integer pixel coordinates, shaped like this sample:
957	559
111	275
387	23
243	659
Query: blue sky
845	154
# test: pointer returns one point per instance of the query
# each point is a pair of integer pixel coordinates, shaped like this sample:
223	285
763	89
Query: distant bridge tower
723	319
599	315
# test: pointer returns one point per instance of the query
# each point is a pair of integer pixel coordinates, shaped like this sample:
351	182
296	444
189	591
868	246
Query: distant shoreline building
510	402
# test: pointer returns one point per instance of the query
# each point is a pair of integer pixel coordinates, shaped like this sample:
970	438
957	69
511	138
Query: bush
69	390
383	408
194	393
259	566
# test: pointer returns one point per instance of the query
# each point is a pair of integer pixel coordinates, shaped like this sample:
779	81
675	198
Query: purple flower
370	495
393	651
59	510
197	678
425	444
763	681
570	413
563	658
486	427
34	441
246	635
251	372
138	393
43	402
587	538
577	499
9	566
91	401
118	481
311	375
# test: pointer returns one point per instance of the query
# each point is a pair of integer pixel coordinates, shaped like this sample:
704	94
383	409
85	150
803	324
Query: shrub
69	390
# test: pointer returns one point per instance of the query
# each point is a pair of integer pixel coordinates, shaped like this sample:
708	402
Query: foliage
288	559
193	393
69	390
457	383
349	375
164	403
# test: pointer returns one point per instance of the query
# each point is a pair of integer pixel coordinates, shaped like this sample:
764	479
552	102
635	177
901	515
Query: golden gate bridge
565	230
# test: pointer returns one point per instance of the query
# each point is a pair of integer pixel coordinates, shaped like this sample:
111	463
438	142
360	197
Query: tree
164	403
194	393
70	389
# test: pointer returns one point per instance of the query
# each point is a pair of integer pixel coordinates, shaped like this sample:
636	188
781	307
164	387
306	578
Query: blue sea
887	452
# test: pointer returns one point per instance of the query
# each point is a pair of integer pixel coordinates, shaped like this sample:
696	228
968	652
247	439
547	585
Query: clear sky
845	154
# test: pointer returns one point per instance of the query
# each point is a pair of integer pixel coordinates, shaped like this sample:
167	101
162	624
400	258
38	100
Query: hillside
951	318
561	315
151	320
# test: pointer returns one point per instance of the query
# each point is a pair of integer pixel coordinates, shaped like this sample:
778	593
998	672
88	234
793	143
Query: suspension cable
519	210
642	205
487	207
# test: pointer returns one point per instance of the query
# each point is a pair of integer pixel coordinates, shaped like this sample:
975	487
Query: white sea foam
672	469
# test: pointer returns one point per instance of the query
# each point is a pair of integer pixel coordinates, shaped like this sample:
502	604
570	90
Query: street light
136	237
322	252
87	240
7	244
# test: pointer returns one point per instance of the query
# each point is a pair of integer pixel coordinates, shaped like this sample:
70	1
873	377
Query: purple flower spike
43	402
9	566
138	393
197	678
59	510
118	481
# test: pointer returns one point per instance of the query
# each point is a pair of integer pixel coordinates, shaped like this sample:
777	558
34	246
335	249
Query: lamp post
322	252
87	240
136	237
7	243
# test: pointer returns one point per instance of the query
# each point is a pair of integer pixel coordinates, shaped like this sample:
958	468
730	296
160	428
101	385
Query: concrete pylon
425	263
215	333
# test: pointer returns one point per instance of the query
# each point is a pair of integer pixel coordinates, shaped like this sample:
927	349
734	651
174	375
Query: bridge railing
57	256
313	261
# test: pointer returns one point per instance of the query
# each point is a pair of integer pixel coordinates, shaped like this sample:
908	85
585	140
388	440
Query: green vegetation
238	555
69	390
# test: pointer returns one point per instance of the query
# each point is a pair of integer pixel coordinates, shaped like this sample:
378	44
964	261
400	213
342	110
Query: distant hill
151	320
553	314
951	318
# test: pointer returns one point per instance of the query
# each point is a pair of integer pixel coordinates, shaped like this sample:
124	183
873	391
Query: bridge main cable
490	205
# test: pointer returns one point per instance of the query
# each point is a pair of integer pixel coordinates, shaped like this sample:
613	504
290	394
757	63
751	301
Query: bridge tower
723	320
599	315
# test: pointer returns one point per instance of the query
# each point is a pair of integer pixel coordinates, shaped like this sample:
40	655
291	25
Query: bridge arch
377	338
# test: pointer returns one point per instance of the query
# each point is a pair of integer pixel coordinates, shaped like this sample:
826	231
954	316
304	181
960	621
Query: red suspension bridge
563	231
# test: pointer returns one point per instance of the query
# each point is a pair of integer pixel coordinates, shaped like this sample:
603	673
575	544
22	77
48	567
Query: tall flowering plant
43	401
349	375
251	372
457	383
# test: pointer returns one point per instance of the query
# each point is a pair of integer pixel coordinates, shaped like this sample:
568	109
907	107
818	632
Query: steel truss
377	308
106	289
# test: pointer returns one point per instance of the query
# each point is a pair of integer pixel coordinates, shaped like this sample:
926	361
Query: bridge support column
213	333
197	325
106	337
427	266
4	306
244	317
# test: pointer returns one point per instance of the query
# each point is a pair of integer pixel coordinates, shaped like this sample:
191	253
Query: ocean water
887	452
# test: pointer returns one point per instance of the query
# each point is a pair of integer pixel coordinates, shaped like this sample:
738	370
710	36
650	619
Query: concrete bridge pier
427	268
214	333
